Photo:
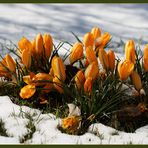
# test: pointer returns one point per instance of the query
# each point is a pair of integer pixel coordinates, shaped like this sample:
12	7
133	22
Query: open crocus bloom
125	68
102	41
40	79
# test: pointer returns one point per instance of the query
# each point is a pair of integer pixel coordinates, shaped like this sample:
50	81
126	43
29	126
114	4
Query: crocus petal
145	58
96	32
79	79
104	58
24	43
27	91
33	51
102	41
125	69
88	85
76	52
10	63
90	55
3	62
39	45
41	79
111	60
58	68
26	58
3	69
27	79
130	53
48	44
88	40
92	71
71	124
136	80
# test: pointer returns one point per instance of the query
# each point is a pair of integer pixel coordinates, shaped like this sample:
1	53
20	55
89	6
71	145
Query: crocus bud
76	52
111	60
58	68
39	45
48	45
96	32
130	53
103	59
125	69
88	40
145	58
26	58
27	91
92	70
88	85
79	79
136	80
90	55
10	63
24	43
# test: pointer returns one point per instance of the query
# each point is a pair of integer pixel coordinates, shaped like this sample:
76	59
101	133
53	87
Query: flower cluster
41	72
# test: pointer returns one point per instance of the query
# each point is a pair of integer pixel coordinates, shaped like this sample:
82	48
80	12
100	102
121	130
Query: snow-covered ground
21	122
123	21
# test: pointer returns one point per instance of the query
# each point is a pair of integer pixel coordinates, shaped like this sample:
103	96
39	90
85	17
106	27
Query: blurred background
123	21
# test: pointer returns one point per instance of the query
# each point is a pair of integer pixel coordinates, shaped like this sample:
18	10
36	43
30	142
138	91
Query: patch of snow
8	140
15	121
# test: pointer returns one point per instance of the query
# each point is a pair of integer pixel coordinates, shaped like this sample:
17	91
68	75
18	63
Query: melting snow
16	118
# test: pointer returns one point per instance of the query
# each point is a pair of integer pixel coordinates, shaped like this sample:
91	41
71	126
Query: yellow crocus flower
92	70
111	60
130	53
88	40
125	68
136	80
79	79
96	32
76	52
58	68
